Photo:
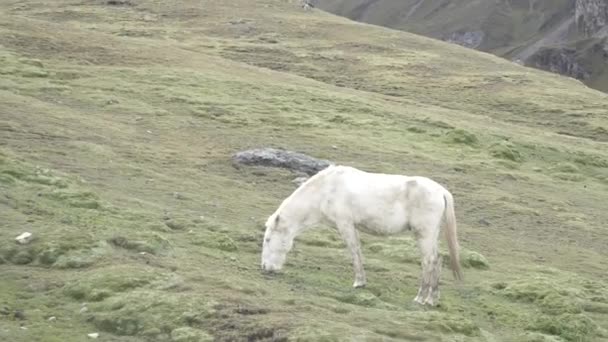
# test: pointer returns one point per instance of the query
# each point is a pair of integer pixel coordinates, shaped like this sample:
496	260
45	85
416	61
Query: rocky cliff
592	17
562	36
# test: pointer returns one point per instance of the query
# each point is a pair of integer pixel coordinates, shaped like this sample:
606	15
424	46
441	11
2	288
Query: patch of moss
474	260
596	307
539	337
48	255
225	243
187	334
450	324
46	180
152	247
590	160
6	179
359	297
219	241
8	251
461	136
177	224
122	326
571	327
31	71
550	296
569	176
416	129
565	168
22	257
405	250
507	151
76	199
144	312
101	285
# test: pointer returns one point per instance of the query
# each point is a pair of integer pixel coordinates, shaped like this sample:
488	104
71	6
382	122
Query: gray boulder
271	157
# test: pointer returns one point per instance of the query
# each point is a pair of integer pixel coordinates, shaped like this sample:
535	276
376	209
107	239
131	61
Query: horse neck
303	208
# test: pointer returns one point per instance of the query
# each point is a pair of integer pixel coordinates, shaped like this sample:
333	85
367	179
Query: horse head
278	241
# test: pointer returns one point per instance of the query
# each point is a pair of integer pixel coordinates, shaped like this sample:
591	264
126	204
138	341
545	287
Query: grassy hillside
118	120
517	30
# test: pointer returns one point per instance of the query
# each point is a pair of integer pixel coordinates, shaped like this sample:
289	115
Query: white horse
351	200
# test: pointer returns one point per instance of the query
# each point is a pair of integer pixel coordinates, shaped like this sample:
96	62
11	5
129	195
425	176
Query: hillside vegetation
118	120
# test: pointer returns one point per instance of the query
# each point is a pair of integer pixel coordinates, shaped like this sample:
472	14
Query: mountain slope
118	121
567	37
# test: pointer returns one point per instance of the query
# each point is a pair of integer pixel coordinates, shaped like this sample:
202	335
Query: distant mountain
564	36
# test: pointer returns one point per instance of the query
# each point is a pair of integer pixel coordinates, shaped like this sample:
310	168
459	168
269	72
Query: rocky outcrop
272	157
559	60
592	17
470	39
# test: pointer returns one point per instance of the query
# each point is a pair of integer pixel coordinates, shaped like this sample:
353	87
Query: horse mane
310	181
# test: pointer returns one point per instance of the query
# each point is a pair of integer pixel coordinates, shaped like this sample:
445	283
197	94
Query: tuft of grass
154	245
473	259
451	324
565	168
218	241
571	327
462	136
567	176
360	298
187	334
101	285
76	199
507	151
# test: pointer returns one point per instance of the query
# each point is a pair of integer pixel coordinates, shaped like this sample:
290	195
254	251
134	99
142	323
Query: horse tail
451	235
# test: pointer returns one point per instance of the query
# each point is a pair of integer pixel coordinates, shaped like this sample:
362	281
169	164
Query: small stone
84	309
24	238
23	328
19	315
52	319
334	147
484	222
233	258
93	335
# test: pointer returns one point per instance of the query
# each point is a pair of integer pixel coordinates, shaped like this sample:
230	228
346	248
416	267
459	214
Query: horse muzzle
268	268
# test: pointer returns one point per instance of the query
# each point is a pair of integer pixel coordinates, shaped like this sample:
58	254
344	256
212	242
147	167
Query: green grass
116	156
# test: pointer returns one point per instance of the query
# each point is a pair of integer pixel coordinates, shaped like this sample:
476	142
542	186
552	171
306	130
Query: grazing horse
352	200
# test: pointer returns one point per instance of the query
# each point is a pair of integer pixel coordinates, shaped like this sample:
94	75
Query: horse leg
351	238
428	293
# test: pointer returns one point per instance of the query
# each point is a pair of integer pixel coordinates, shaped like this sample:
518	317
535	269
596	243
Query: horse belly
384	223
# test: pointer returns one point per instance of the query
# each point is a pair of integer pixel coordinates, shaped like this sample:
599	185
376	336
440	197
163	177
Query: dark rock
559	60
119	3
484	222
470	39
19	315
591	16
281	158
